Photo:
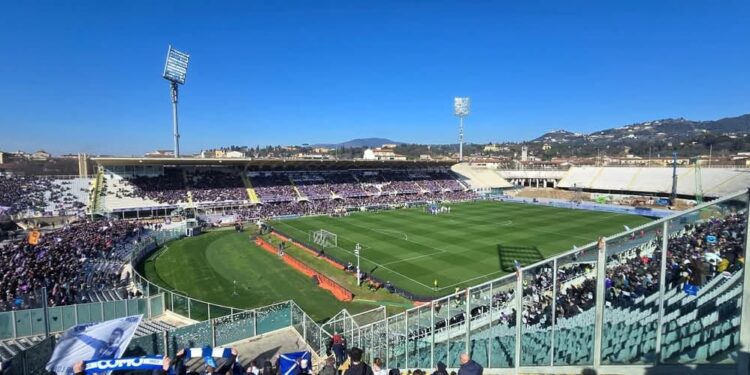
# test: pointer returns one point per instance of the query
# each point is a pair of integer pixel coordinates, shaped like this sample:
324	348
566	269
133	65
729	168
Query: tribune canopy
273	164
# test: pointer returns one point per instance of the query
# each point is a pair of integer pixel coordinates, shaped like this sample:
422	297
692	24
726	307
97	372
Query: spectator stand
618	306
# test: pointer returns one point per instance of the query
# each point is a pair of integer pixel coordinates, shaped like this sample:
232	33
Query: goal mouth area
323	238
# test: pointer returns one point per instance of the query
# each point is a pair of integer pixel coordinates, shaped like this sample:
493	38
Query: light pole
175	70
357	248
461	107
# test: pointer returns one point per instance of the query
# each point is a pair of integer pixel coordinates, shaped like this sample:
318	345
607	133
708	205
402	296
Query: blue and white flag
92	342
208	354
289	362
148	363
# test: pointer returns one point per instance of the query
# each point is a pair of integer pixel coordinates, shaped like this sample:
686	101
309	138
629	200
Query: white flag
92	341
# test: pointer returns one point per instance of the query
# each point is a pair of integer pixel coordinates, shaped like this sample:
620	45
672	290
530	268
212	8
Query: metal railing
31	322
663	327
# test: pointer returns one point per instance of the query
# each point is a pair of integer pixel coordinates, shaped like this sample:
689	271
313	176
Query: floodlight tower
175	70
461	107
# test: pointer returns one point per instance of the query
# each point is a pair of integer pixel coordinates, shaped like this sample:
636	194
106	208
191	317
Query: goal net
324	238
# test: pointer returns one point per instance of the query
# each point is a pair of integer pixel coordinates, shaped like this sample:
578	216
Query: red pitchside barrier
338	291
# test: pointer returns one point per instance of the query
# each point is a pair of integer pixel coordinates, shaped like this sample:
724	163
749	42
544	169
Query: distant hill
731	134
669	130
361	142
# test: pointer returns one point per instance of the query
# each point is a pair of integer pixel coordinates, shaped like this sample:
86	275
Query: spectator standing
357	366
267	368
338	346
329	368
441	369
468	366
253	368
377	367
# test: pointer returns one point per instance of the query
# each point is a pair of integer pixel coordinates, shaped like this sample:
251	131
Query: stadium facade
615	306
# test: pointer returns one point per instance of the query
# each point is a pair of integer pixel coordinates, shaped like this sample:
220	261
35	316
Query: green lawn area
476	242
205	267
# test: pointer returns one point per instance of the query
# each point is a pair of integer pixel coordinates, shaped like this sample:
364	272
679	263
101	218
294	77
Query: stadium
277	257
618	251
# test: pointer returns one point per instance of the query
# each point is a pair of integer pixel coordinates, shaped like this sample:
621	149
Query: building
159	154
493	148
382	154
40	155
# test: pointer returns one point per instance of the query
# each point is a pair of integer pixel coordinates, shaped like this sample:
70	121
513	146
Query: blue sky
86	75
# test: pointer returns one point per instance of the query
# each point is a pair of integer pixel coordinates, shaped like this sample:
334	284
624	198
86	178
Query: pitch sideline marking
472	279
371	261
389	231
415	257
505	223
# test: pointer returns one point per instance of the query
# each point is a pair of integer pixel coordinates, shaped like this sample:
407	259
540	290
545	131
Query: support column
601	275
743	362
519	311
662	287
554	308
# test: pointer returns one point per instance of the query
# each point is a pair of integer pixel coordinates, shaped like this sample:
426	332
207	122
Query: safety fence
32	322
548	315
628	311
232	328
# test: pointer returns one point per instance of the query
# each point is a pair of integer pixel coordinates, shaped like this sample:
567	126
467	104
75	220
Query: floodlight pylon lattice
461	107
175	71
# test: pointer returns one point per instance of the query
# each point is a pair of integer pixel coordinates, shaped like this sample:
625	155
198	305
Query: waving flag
289	362
92	342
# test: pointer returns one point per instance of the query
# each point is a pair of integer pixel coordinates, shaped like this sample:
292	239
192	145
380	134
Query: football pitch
475	242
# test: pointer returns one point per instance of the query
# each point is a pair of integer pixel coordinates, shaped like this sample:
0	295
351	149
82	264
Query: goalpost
323	238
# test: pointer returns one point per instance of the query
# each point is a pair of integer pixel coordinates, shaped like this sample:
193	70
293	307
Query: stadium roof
263	164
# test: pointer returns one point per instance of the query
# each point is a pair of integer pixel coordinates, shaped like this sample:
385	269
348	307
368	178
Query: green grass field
205	267
476	242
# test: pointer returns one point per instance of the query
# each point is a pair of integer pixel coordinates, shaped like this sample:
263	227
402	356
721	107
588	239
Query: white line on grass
388	231
373	262
467	280
415	257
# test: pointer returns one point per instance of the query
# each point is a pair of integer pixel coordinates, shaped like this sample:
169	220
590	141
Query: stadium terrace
419	264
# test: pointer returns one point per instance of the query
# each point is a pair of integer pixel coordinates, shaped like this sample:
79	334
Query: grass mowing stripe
412	248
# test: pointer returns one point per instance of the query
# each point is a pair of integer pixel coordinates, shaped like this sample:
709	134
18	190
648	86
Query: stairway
251	194
187	188
96	199
296	190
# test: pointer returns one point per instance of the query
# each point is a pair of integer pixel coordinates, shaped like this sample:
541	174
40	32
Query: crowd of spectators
298	193
61	262
39	195
274	187
631	274
215	186
168	187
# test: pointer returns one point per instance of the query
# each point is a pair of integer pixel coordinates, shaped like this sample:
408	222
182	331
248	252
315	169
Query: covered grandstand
266	187
618	306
